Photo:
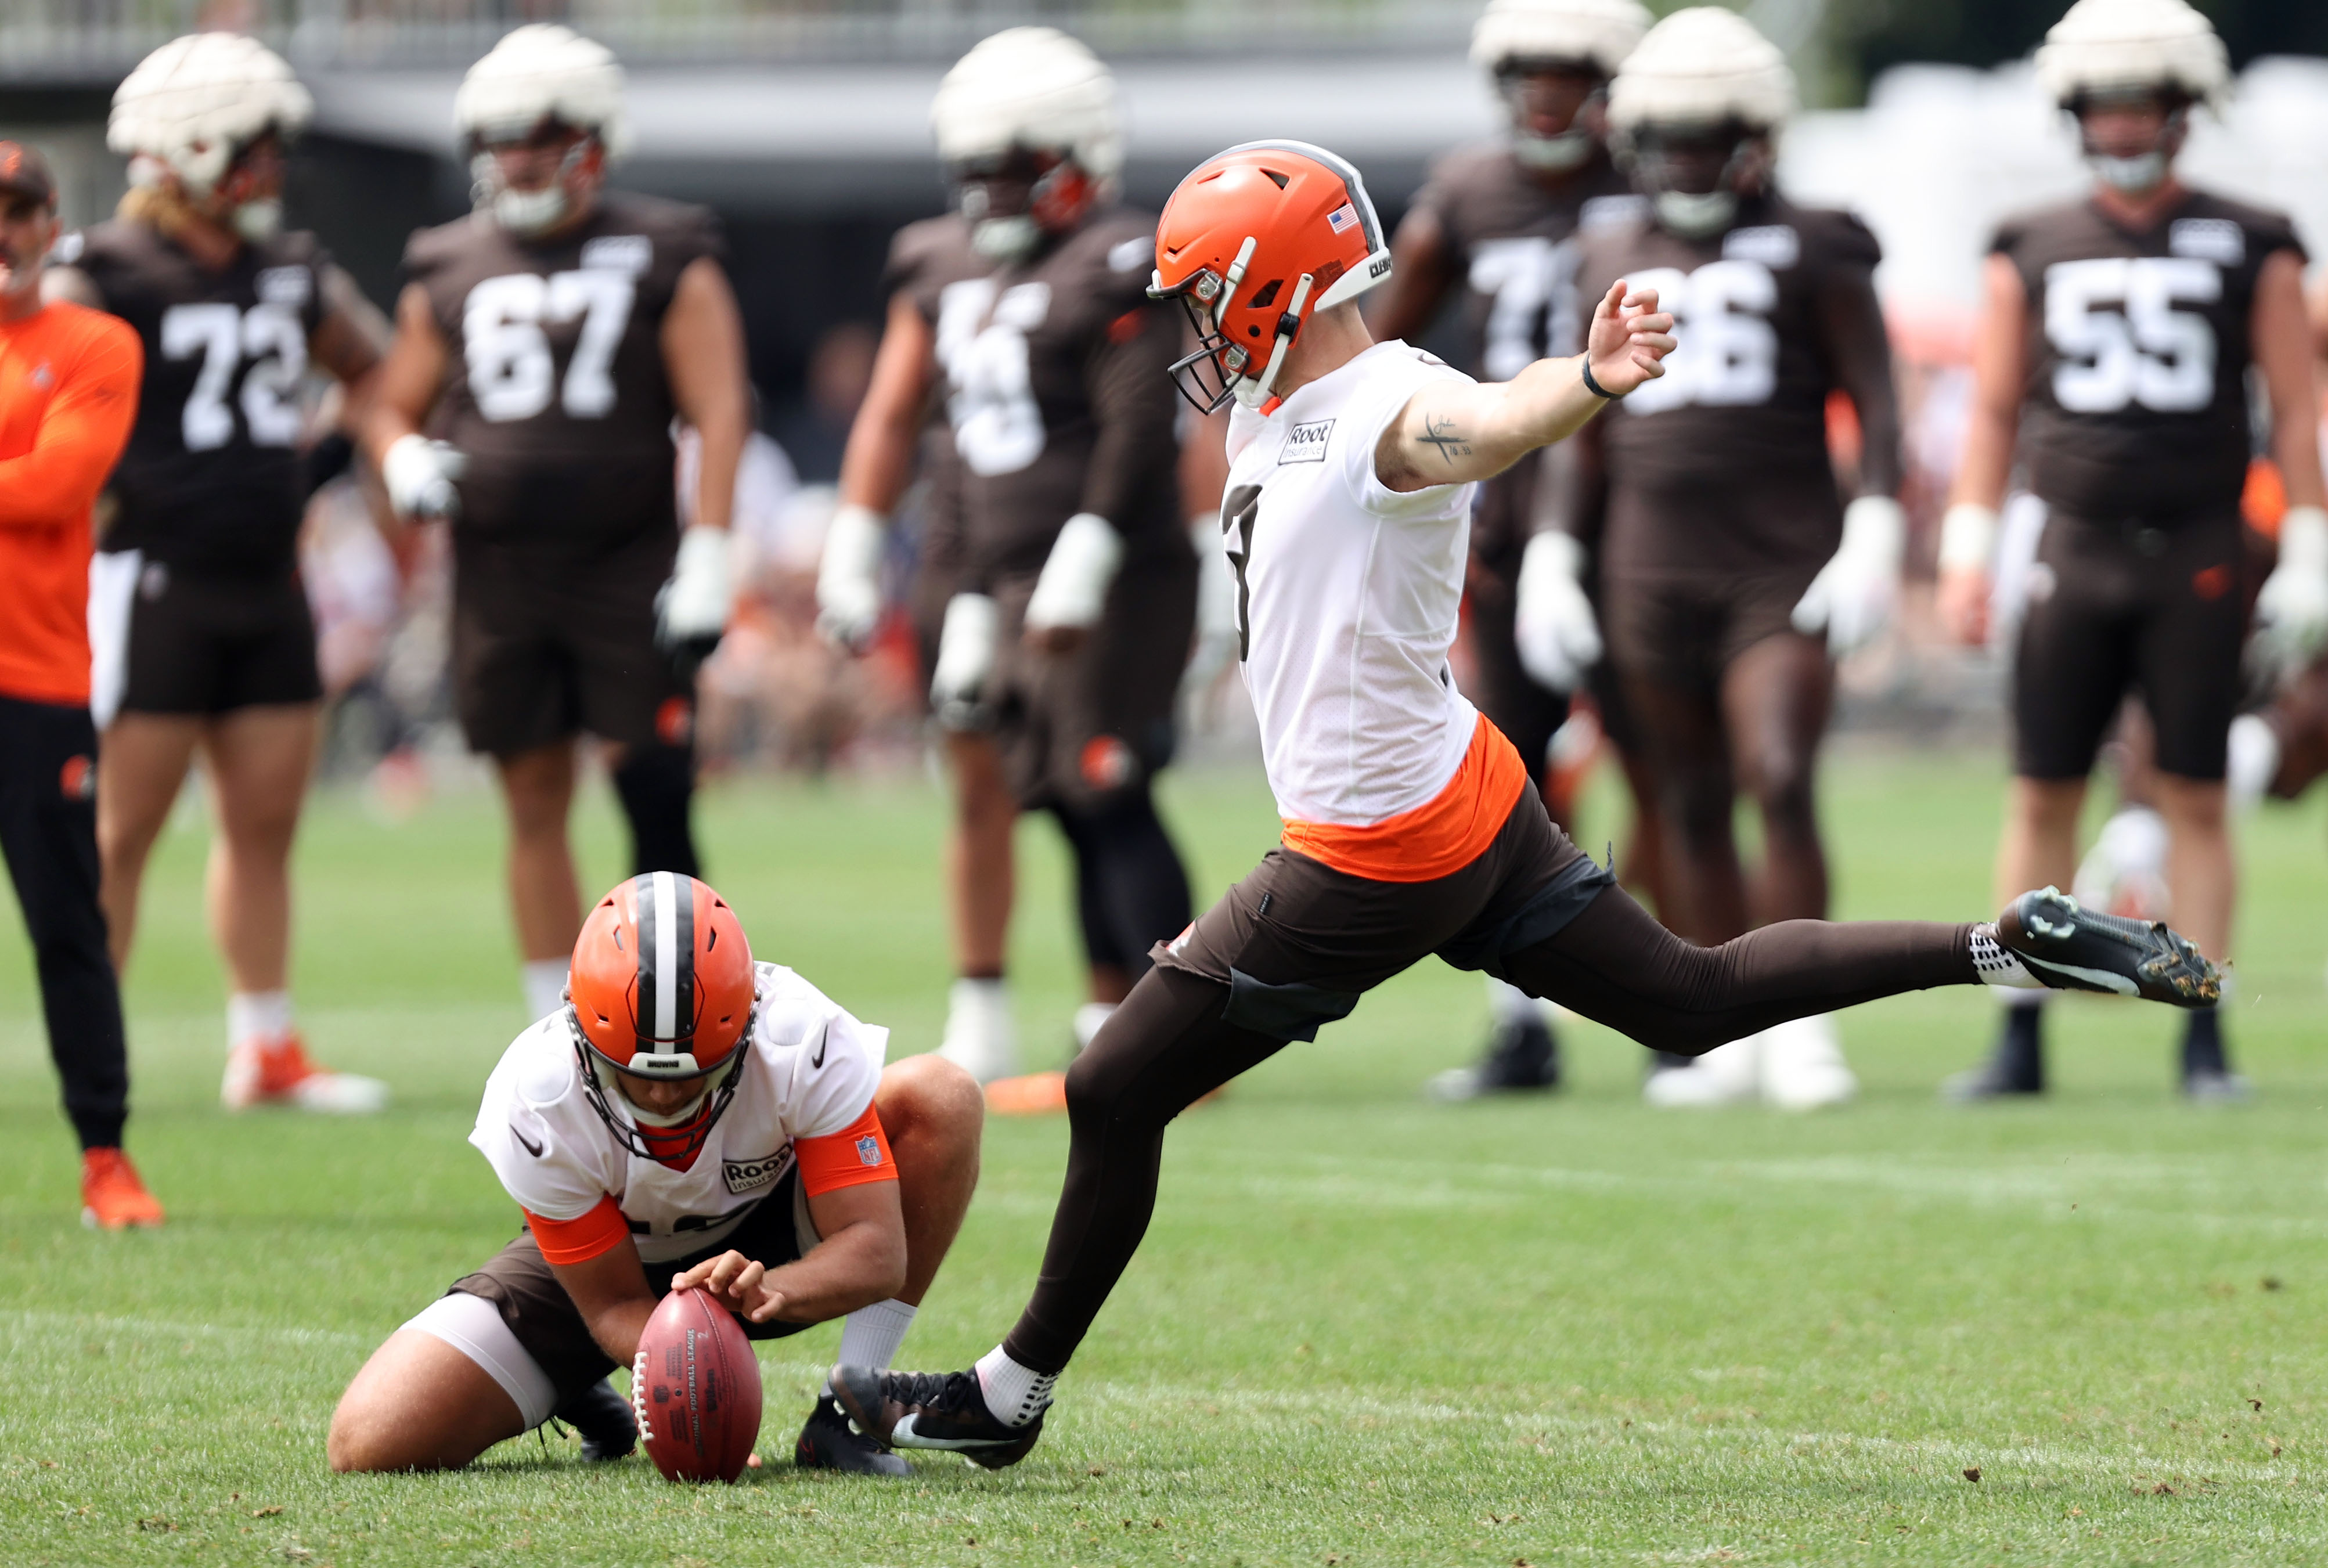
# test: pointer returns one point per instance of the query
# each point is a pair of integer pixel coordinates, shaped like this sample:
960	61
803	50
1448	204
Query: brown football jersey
213	478
1513	241
2137	350
1741	407
556	388
1056	388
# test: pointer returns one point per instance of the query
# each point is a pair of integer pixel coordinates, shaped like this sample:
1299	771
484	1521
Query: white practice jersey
814	1072
1349	596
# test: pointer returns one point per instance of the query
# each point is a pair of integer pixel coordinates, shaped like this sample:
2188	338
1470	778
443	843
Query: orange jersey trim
856	1154
578	1241
1436	838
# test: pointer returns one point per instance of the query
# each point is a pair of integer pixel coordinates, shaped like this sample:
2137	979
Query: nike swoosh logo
2100	978
824	1039
905	1435
530	1146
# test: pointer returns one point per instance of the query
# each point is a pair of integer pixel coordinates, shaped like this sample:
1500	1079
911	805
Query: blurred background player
203	634
1497	221
68	394
1067	583
1733	574
555	333
689	1118
2114	352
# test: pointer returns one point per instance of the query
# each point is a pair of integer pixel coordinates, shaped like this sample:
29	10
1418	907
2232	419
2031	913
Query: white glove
419	475
966	647
692	607
1082	567
848	576
1559	638
1968	537
1852	598
1217	606
2291	613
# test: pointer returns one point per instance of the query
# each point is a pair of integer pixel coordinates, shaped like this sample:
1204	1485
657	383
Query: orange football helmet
1255	241
662	985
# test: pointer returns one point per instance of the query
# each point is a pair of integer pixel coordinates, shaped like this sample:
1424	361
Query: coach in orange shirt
68	393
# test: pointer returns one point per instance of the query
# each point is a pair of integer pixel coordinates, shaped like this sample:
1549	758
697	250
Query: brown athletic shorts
209	642
1297	943
519	1282
548	644
2158	607
1077	728
1685	631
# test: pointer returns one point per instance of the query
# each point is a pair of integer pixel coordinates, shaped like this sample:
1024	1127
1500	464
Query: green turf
1364	1330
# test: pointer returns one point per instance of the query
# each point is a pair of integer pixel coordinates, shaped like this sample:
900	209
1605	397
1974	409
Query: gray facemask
2129	176
1005	239
1559	154
1696	217
259	222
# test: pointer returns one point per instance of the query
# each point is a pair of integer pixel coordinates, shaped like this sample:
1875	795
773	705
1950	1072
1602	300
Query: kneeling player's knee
361	1437
929	1098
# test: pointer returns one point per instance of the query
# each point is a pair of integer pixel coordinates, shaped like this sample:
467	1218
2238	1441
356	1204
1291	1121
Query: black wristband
1584	363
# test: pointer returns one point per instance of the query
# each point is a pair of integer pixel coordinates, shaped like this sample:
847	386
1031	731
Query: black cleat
931	1410
1521	1057
603	1420
2073	948
828	1442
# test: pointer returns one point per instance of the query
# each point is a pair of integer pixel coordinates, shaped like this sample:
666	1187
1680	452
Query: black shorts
1297	943
1685	631
165	639
521	1282
550	644
2158	608
1076	730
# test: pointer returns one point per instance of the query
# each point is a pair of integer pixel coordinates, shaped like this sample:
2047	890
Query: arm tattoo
1439	430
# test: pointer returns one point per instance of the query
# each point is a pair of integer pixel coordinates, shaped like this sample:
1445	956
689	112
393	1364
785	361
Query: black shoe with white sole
828	1442
603	1419
2069	947
946	1411
1521	1057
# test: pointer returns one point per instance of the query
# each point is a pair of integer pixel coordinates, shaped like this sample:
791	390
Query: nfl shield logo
868	1150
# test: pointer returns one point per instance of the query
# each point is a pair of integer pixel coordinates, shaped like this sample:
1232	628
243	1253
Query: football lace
639	1394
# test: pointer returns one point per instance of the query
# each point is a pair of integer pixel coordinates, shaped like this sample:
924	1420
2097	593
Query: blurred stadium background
805	125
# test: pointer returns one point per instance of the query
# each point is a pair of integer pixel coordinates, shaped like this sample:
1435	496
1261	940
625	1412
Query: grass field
1365	1330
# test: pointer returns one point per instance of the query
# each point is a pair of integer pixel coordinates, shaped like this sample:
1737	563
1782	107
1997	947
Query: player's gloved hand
1558	635
1967	547
2291	613
691	608
848	577
1216	607
966	646
1852	598
419	474
1072	589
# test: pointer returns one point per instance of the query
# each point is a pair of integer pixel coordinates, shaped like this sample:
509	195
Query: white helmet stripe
666	956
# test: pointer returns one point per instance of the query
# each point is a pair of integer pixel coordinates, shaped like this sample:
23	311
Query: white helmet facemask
525	213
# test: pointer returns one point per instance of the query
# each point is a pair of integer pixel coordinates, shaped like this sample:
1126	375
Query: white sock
870	1335
1997	965
1015	1394
2254	760
1508	1005
544	980
255	1015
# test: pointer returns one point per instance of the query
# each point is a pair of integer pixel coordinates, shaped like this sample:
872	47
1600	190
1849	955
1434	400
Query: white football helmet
1514	37
1700	75
193	106
2159	49
538	73
1037	96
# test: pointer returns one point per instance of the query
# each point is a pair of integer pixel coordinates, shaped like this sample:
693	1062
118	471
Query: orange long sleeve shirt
68	381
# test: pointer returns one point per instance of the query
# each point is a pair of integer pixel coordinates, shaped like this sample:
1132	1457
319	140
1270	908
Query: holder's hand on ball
737	1284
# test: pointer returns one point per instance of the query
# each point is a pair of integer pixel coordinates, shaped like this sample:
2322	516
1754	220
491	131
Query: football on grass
695	1387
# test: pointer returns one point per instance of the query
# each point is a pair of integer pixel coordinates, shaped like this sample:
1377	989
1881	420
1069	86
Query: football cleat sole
2069	947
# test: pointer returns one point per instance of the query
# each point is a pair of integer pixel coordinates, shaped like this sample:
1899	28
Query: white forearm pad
696	603
418	473
1967	537
848	573
965	648
1082	567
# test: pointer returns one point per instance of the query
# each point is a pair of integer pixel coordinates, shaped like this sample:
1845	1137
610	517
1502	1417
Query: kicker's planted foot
931	1409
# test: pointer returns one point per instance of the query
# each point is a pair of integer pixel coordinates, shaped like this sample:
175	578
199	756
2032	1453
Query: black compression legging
1132	891
1169	1045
